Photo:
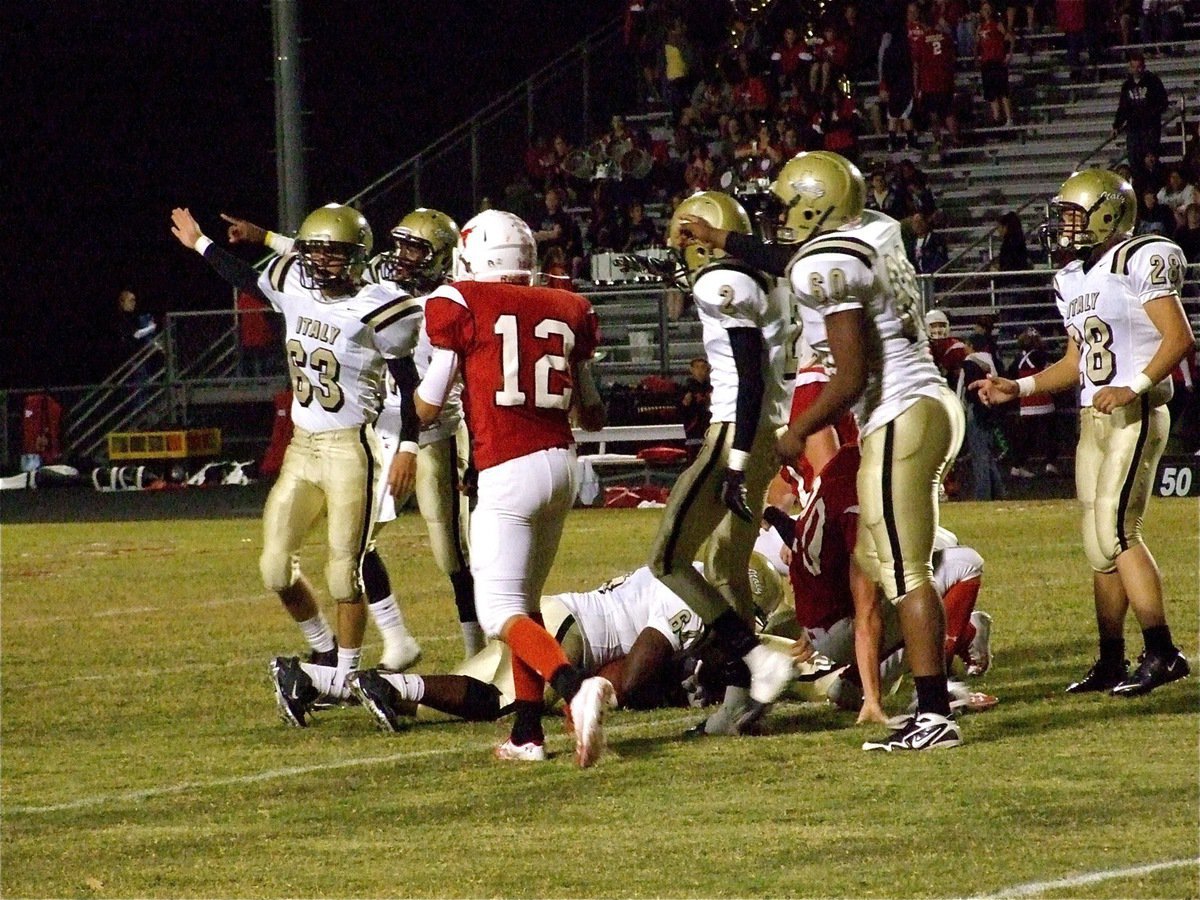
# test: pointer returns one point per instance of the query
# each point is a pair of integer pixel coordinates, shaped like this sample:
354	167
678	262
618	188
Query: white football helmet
495	246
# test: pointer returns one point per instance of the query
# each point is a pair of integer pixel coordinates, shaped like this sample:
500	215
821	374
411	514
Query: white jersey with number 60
865	267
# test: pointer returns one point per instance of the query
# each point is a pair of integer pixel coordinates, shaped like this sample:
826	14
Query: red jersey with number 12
517	346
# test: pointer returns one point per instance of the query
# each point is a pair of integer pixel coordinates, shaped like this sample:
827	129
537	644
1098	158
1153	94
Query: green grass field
142	755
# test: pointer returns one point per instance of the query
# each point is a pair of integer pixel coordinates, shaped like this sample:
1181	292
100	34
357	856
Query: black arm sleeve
237	272
784	525
770	258
747	344
404	373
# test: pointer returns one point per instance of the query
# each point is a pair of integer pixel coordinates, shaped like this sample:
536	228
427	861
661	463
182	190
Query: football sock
527	683
317	633
321	676
933	696
735	705
409	687
527	725
1112	651
536	648
473	640
376	583
347	662
1158	640
959	602
389	620
566	681
733	633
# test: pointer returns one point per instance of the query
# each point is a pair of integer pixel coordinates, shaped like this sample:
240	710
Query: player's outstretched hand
871	712
242	232
1109	399
733	492
184	227
994	390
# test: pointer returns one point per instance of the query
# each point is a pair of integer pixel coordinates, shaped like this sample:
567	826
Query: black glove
734	494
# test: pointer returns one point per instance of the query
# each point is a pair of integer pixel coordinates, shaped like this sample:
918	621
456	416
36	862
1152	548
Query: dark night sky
117	111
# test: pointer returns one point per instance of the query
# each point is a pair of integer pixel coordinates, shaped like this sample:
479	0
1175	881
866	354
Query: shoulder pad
391	312
736	266
835	243
1124	252
278	268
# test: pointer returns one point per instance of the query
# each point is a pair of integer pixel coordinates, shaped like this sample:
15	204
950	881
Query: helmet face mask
332	246
719	210
1091	207
496	246
424	248
820	191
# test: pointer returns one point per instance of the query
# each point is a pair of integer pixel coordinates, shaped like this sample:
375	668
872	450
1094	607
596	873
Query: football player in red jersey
523	354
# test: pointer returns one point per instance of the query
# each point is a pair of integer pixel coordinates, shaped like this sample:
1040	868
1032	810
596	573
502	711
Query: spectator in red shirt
841	122
750	92
935	85
994	51
1035	435
1071	16
790	57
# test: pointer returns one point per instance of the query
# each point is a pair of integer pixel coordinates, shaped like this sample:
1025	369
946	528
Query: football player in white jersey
340	335
418	263
1119	299
850	269
717	502
630	630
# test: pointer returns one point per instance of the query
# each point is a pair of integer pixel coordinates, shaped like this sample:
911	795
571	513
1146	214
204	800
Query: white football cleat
979	653
770	672
530	752
400	655
595	697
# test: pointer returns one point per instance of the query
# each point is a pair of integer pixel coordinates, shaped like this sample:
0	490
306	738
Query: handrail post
529	111
664	343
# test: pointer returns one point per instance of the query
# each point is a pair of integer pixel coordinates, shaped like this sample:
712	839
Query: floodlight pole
289	132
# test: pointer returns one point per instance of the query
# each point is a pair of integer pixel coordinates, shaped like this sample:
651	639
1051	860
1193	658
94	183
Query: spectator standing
986	480
935	85
896	88
137	331
1185	402
790	57
1143	100
256	335
1035	435
994	52
677	69
1071	16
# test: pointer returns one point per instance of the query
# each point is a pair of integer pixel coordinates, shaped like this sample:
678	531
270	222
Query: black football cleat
324	657
294	690
1101	676
381	699
1154	670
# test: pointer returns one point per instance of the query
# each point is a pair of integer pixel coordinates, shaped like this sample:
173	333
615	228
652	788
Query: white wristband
202	244
1141	383
408	447
738	460
1025	386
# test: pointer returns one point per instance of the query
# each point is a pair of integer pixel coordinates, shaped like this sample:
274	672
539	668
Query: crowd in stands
730	93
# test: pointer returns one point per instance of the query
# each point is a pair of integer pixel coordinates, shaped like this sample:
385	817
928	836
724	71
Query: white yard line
1034	888
131	610
127	797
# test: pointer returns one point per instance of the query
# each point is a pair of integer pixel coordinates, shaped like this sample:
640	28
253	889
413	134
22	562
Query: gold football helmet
1091	206
717	209
424	248
333	244
820	191
766	586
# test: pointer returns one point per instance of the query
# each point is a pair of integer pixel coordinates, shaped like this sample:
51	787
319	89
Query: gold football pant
335	471
696	513
1115	463
902	465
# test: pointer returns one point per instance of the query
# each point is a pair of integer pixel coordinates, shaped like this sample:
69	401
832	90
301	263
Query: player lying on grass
632	630
839	610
